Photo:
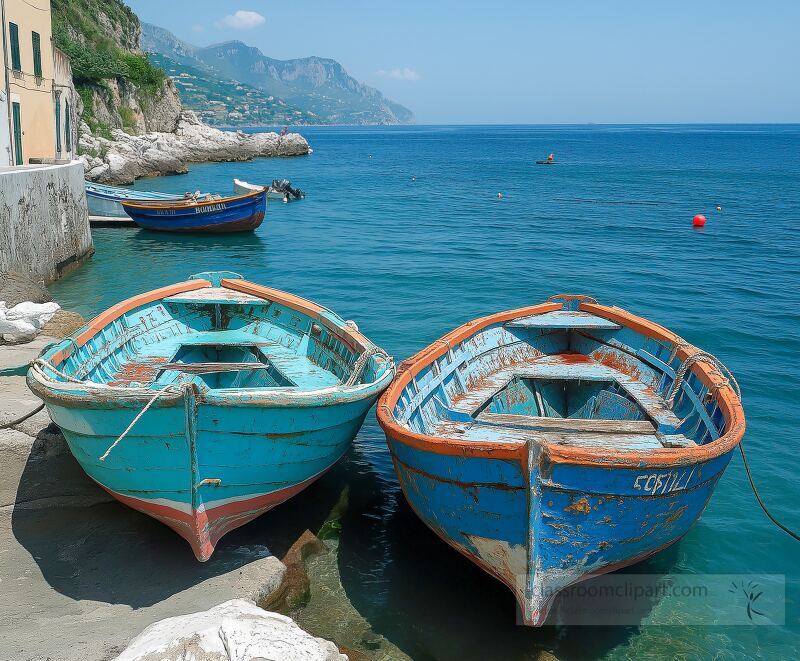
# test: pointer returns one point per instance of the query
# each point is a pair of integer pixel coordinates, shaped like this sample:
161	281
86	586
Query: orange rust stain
677	514
581	506
618	362
574	358
141	371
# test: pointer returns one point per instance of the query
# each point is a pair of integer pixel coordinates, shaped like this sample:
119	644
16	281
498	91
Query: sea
412	231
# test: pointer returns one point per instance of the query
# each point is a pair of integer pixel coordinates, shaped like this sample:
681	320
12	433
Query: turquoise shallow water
410	260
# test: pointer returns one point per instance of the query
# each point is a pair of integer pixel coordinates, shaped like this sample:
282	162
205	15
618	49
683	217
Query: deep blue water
410	260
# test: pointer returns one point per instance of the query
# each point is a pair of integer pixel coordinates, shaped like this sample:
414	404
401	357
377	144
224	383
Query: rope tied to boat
728	379
39	365
719	369
361	364
168	388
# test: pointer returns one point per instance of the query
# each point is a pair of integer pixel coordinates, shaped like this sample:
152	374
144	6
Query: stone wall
44	220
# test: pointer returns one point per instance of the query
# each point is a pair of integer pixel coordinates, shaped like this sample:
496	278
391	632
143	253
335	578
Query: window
15	111
13	32
68	127
37	54
58	124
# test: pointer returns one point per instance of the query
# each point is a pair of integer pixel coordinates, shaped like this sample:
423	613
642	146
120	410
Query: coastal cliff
132	121
124	158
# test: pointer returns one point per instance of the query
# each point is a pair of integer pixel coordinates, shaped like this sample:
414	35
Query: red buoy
699	220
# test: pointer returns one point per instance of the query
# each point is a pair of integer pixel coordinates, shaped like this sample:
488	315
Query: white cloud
399	74
242	19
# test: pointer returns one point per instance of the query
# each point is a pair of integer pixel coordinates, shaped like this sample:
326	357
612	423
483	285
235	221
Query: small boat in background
281	189
240	213
106	200
550	160
207	402
556	442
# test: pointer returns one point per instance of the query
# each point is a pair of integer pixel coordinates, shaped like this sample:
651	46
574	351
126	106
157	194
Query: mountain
314	86
221	102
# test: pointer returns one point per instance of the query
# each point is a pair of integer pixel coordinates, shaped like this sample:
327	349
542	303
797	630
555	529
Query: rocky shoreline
129	157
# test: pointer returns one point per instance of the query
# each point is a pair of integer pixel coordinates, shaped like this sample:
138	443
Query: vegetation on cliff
101	38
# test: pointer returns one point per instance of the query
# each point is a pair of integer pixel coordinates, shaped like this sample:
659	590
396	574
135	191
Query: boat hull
236	214
207	472
543	443
543	528
207	402
107	200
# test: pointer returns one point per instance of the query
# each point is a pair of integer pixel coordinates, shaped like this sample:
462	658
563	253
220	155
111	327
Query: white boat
281	189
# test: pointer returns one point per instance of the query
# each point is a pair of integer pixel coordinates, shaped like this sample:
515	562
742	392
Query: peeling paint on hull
538	502
251	394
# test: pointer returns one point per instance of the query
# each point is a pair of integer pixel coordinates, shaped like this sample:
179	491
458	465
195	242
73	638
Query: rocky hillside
315	86
222	102
118	86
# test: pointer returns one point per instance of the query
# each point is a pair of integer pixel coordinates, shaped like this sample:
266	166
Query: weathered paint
205	459
240	213
542	502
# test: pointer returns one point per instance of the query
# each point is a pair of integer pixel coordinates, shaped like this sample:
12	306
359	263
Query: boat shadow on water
90	547
394	571
430	601
205	242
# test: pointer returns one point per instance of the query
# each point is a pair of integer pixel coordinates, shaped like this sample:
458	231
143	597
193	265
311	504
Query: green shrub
94	56
128	118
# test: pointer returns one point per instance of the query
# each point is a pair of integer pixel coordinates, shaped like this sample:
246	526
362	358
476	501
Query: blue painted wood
536	525
205	458
231	214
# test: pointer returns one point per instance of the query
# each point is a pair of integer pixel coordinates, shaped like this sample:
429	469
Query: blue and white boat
552	443
239	213
105	201
208	402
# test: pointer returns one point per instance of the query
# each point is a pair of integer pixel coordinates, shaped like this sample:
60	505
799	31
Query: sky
531	61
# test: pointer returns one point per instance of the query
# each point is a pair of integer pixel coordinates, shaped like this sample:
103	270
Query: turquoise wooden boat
208	402
552	443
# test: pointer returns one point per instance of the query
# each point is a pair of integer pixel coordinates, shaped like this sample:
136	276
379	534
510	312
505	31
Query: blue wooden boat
239	213
552	443
106	200
208	402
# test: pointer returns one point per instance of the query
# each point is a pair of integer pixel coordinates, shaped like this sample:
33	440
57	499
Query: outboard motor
285	186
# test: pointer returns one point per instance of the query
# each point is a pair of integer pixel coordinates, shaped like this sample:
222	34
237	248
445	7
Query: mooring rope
727	375
169	387
697	357
761	502
361	364
7	425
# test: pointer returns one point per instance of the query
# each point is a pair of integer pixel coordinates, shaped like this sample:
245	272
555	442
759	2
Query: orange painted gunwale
189	203
116	311
729	403
354	340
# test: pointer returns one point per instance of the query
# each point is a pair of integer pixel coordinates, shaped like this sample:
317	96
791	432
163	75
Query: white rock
132	156
235	630
24	321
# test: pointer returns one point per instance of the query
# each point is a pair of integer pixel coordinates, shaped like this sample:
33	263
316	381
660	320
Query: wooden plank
578	425
598	440
563	319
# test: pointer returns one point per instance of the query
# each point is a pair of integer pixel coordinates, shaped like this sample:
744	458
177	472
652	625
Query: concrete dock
81	574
